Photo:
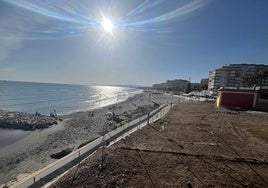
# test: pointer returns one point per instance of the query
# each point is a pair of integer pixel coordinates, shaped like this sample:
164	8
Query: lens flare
58	19
107	25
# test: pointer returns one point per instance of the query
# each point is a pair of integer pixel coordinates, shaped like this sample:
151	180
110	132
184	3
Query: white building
231	75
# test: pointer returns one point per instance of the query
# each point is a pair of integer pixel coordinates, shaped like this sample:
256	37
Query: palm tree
188	88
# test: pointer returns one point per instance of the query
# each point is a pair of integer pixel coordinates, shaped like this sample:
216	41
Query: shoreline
33	152
29	121
58	119
65	103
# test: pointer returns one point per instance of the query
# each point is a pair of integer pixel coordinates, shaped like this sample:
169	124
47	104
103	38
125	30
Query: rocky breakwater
25	121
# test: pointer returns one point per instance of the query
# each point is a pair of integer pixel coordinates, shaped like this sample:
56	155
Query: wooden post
103	146
217	141
148	117
137	136
265	153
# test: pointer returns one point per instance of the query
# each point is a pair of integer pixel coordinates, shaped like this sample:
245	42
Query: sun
107	25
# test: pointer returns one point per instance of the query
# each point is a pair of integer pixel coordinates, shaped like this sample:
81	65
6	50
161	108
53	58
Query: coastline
33	152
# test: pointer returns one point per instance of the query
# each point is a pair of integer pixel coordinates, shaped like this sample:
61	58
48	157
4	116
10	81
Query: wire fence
110	137
223	160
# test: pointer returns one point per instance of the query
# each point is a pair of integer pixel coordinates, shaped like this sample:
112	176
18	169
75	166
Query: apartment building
231	75
172	85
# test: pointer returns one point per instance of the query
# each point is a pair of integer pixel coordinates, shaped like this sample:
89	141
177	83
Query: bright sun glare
107	25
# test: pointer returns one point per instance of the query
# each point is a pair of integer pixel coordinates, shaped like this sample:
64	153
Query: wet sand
9	136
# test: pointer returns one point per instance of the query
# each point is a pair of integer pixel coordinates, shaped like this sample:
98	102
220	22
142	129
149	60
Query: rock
25	121
61	153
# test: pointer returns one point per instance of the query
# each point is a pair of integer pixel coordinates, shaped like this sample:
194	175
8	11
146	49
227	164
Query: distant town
231	75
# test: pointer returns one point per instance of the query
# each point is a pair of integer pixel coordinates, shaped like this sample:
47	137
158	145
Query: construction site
194	145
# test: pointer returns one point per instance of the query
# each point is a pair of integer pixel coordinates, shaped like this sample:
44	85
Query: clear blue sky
150	41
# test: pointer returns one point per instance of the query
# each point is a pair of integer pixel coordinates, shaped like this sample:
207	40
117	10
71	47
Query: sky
137	42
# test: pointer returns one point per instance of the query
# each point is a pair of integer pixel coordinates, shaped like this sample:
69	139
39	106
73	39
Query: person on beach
91	114
55	114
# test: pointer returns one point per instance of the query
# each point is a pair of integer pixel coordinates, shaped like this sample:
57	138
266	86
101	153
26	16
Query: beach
33	151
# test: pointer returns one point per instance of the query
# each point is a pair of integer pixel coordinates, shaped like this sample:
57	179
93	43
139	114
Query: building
172	85
231	75
243	98
236	98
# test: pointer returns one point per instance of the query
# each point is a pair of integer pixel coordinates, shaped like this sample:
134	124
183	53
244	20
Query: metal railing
110	137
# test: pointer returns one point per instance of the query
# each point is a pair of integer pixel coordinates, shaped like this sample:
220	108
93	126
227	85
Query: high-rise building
231	75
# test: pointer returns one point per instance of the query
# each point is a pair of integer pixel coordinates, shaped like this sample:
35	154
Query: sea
63	98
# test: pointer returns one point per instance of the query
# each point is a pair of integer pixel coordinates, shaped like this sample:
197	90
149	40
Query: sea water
63	98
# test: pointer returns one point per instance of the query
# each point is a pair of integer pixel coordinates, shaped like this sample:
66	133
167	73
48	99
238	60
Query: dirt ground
195	145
